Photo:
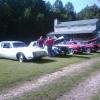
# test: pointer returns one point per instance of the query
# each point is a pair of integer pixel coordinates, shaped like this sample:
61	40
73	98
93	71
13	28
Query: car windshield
71	43
19	44
81	42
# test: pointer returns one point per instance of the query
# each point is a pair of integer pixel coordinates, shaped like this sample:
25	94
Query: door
5	50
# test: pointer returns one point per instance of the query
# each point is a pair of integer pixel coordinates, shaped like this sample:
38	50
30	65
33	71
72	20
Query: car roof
12	42
33	41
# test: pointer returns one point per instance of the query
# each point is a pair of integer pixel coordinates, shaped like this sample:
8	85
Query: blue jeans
50	51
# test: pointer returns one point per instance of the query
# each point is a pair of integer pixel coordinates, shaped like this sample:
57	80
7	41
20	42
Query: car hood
72	46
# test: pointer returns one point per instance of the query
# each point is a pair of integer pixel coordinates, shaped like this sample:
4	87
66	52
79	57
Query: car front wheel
71	52
88	50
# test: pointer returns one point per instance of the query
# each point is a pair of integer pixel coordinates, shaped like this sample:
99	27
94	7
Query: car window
82	43
74	42
6	45
71	43
98	42
19	44
35	44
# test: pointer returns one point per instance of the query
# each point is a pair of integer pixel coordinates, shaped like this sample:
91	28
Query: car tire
88	50
21	57
71	52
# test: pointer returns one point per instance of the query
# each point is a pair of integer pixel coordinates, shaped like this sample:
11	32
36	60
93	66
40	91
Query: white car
35	44
54	48
19	51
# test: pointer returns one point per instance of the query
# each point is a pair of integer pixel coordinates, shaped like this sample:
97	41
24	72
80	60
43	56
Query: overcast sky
79	4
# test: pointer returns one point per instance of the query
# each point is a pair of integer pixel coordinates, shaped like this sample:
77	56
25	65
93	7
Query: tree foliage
31	18
89	12
70	12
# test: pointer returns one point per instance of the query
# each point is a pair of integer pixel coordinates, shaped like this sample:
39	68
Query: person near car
49	43
40	42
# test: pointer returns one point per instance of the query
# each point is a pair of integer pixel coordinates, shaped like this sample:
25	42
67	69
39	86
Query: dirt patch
46	79
85	90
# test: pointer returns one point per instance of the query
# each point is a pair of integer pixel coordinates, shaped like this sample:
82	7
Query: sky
79	4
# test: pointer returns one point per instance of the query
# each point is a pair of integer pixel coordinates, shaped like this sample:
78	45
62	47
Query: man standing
40	42
49	43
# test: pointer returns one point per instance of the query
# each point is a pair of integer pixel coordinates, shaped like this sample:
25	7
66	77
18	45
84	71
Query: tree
58	6
69	7
89	12
22	17
70	13
48	6
58	10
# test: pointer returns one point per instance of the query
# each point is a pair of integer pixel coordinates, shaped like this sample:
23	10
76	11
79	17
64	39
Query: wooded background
32	18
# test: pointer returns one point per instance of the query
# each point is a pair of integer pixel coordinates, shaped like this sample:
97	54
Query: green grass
60	86
12	72
96	96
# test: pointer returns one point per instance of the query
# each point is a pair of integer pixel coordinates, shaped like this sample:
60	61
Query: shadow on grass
97	52
63	56
41	61
79	55
83	55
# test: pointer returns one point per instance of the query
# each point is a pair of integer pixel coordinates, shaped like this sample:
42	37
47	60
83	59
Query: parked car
71	47
57	50
19	51
85	46
34	44
97	46
96	42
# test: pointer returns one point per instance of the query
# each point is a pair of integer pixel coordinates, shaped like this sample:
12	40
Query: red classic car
74	46
97	46
86	47
96	43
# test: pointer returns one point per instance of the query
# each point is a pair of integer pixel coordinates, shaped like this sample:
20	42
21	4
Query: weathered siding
81	29
76	28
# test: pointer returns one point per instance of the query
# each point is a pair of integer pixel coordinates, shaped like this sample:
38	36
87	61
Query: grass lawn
96	97
60	86
12	72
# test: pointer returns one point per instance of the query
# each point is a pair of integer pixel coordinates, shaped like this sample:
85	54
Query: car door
1	50
6	50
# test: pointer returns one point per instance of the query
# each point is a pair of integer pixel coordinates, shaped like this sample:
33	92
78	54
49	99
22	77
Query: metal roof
74	32
86	28
77	23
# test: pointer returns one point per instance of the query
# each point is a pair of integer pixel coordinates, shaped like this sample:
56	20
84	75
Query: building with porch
77	30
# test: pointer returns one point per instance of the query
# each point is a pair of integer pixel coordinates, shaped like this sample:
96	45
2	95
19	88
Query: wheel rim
71	51
21	58
88	51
